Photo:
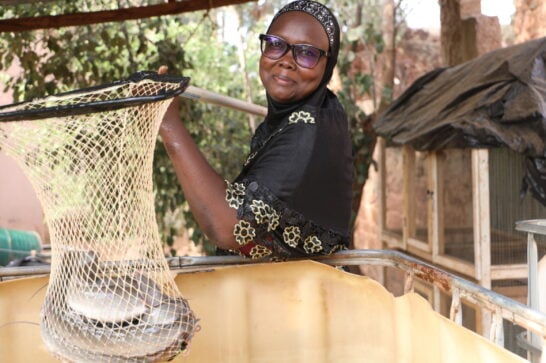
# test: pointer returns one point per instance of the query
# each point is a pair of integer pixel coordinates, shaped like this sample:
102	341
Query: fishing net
88	155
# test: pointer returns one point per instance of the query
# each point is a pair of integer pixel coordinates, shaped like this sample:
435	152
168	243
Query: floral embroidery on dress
291	236
235	194
250	158
312	244
244	232
259	251
301	116
276	229
264	213
337	248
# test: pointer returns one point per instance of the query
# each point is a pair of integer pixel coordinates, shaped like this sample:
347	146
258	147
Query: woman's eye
308	52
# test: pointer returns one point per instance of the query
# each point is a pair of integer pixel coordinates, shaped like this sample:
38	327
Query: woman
293	195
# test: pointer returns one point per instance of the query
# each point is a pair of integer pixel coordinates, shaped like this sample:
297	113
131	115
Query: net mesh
111	296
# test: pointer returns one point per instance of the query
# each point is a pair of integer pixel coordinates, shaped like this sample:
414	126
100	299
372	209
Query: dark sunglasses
305	55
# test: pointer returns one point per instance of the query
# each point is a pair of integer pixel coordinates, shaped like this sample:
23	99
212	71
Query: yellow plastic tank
280	312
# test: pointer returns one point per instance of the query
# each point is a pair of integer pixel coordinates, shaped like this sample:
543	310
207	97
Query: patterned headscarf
328	21
277	111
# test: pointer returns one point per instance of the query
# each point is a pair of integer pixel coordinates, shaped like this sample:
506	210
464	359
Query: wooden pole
105	16
200	94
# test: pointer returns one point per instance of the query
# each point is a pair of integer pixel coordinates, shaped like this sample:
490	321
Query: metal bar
532	226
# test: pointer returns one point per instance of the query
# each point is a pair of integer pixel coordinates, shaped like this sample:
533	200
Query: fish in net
88	155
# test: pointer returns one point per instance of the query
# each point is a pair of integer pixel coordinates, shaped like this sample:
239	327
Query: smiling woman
293	194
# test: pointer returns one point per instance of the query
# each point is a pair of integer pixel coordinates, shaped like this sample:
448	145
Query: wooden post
482	228
463	34
435	188
408	191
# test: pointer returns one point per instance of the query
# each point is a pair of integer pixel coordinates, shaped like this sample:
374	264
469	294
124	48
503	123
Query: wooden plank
435	188
457	265
424	246
419	253
118	15
408	191
382	185
392	240
508	272
481	218
482	229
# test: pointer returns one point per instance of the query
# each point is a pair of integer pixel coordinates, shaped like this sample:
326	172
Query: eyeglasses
305	55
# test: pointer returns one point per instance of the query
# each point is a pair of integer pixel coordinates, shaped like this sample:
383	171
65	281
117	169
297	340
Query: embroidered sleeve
268	227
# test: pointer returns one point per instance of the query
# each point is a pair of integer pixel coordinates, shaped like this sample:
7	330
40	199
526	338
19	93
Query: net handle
200	94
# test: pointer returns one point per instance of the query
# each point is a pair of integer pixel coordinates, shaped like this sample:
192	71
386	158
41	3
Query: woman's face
284	80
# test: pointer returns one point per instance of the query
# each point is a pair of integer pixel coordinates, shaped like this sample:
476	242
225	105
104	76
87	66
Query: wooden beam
482	216
408	191
105	16
435	204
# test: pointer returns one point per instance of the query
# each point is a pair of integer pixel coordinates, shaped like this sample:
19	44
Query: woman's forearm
203	188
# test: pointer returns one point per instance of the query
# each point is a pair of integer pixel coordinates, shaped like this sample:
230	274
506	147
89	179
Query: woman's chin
284	98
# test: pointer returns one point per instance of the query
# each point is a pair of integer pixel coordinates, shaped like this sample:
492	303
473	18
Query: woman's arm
203	188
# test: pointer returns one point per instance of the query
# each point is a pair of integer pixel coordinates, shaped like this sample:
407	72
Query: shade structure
495	100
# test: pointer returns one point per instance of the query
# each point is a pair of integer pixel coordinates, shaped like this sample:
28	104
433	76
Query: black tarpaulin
495	100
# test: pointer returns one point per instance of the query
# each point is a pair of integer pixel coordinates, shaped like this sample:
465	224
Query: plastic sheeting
495	100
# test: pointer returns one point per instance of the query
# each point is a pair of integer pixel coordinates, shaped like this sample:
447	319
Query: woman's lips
283	80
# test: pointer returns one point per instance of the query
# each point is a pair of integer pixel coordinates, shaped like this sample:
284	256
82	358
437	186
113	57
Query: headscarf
328	21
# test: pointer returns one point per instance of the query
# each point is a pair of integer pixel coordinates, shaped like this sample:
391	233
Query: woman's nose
287	60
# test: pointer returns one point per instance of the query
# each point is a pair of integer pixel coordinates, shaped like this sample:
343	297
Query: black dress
293	196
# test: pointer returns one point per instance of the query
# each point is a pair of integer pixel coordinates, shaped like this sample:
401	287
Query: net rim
97	106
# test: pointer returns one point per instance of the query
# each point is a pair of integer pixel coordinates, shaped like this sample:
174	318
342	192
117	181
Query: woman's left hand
172	115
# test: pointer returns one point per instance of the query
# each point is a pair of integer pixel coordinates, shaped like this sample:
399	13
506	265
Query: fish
113	317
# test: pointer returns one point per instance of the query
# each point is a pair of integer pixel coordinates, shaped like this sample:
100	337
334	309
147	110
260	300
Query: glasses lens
273	47
306	55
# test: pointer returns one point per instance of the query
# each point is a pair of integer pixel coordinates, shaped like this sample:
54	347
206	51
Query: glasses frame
263	38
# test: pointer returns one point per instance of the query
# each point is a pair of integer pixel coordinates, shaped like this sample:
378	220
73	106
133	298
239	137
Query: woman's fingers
162	70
